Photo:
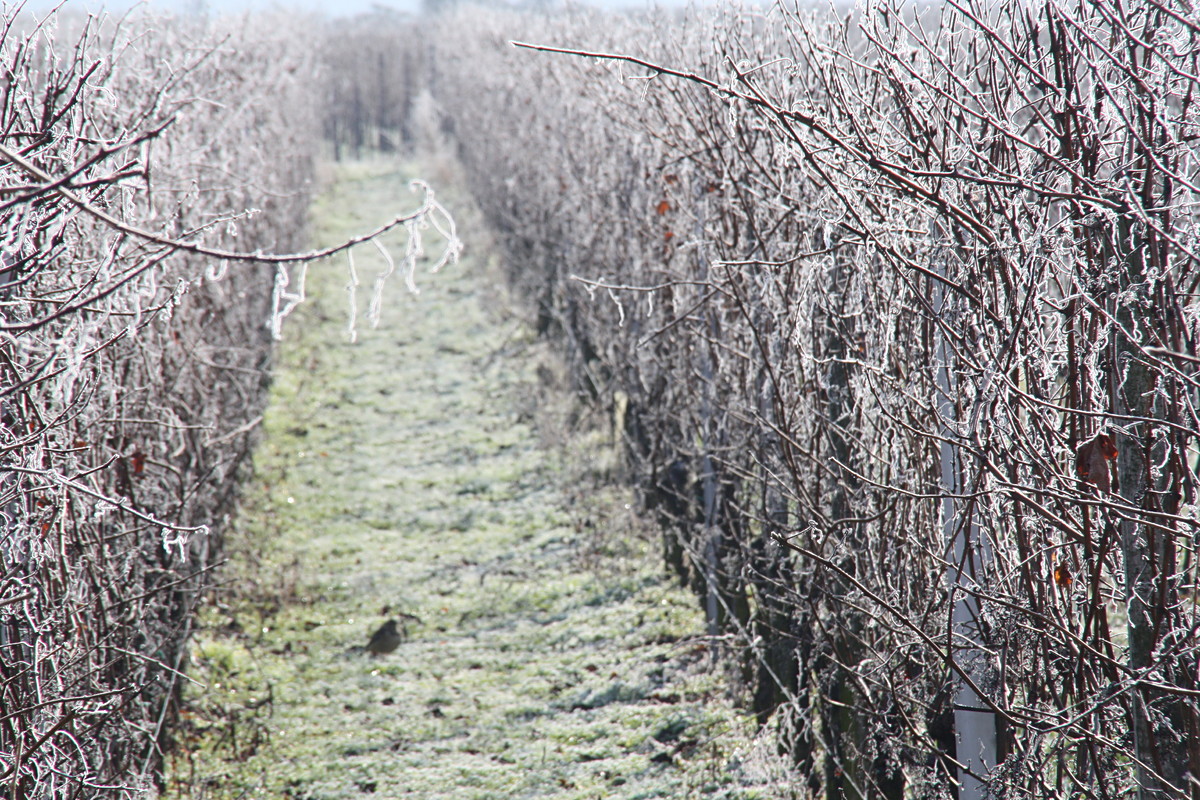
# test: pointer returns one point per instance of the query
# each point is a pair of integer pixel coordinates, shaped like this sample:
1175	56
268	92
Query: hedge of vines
898	314
132	373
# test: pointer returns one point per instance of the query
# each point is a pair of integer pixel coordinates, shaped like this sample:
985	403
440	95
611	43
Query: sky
331	7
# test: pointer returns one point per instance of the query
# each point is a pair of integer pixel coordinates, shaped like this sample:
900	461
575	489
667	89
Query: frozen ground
429	470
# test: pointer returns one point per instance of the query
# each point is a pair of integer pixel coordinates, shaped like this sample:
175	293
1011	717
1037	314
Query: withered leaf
1092	461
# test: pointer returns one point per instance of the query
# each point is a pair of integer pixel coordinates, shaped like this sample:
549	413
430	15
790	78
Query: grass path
548	655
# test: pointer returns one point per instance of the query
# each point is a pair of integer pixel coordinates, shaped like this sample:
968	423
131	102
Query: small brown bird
385	640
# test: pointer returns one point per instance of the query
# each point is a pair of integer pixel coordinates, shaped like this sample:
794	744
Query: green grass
426	470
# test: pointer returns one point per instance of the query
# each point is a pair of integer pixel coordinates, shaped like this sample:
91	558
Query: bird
385	640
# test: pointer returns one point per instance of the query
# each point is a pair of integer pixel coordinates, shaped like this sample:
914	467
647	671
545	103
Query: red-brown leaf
1092	461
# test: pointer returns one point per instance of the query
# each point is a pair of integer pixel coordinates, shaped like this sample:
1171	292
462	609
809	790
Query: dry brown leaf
1092	461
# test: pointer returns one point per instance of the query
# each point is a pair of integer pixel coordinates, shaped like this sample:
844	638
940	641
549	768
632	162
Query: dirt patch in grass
426	473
